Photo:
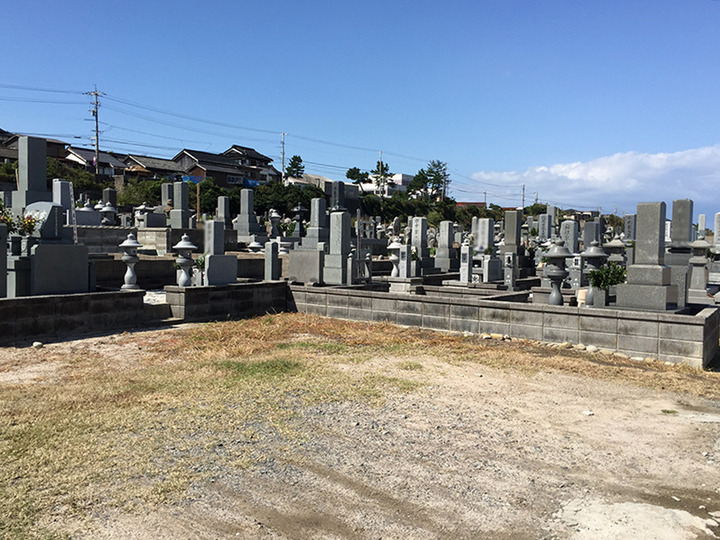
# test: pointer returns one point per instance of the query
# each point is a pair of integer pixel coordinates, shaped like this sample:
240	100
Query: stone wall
70	314
100	239
692	340
226	301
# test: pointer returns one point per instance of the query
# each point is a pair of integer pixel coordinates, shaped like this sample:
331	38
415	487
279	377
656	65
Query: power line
45	101
36	89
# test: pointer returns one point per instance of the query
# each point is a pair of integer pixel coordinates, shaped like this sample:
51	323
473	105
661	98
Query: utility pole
94	112
381	179
523	196
283	157
485	197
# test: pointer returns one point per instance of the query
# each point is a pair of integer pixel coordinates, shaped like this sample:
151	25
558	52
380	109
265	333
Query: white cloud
620	181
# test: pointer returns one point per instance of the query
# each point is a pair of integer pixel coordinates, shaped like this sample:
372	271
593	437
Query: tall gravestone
109	196
223	211
485	237
649	285
317	231
272	261
513	225
446	255
166	194
591	232
32	174
220	269
630	220
544	227
337	197
180	214
679	252
336	260
570	234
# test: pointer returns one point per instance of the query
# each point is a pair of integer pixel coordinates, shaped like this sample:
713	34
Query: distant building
397	182
236	167
108	164
152	167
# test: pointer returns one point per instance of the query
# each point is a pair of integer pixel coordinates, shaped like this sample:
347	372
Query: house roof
246	152
207	157
8	153
148	162
88	155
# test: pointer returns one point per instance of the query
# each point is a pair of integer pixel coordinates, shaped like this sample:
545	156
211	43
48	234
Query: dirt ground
473	452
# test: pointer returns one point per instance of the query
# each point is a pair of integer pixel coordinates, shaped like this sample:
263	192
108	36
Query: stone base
404	285
220	269
335	271
306	265
541	295
647	297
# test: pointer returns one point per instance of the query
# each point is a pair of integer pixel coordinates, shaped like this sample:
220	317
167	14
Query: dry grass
209	398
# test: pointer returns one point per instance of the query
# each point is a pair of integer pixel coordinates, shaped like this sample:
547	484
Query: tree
381	175
431	183
295	168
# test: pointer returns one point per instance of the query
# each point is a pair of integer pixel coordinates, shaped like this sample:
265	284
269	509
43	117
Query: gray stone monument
592	231
485	235
109	195
246	223
630	220
220	269
335	272
570	234
544	227
679	252
446	256
513	225
317	231
337	197
272	261
649	285
180	215
466	263
223	211
32	174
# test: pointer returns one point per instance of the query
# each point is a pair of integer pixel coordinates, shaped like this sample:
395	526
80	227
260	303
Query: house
108	165
55	148
237	166
152	167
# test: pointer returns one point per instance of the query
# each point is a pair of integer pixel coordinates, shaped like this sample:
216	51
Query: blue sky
590	104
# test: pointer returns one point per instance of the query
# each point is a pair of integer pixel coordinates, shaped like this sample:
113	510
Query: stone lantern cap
594	251
274	214
558	251
185	244
88	207
615	243
700	245
108	208
130	242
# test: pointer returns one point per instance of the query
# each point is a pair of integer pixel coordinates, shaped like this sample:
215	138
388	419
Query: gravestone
544	227
317	231
668	231
246	223
272	261
649	285
223	211
466	263
180	215
166	194
109	195
423	263
552	212
220	269
630	220
337	197
679	251
702	226
446	255
570	234
335	272
592	231
513	225
485	237
32	174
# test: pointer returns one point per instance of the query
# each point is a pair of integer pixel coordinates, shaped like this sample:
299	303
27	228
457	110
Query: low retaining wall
69	314
226	301
692	340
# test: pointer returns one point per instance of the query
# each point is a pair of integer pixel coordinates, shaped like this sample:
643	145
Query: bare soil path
490	446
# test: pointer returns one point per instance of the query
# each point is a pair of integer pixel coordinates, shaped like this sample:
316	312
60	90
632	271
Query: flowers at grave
7	218
27	224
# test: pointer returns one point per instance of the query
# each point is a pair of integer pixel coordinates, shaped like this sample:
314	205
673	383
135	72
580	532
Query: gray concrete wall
37	317
101	239
227	301
692	340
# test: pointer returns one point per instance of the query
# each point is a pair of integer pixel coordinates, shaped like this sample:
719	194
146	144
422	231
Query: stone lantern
555	270
594	256
698	278
394	250
108	214
130	258
185	261
274	217
616	250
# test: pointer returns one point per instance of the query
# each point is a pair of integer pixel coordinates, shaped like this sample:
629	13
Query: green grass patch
273	367
410	365
669	411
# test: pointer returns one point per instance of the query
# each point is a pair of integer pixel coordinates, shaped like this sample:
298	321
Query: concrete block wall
226	301
690	339
101	239
37	317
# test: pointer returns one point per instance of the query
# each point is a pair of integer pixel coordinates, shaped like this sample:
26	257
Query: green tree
431	183
284	198
535	209
137	191
381	175
295	168
82	181
357	176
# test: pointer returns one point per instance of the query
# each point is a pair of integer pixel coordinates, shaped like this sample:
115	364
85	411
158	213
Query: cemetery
649	289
